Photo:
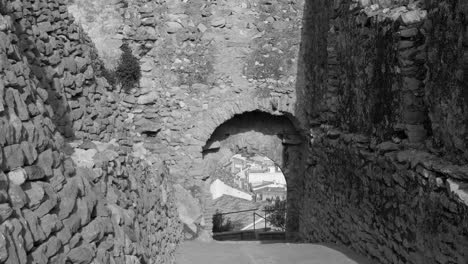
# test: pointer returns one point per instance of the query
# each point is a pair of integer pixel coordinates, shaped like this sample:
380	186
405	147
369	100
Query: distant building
238	163
255	172
256	178
270	193
266	184
218	188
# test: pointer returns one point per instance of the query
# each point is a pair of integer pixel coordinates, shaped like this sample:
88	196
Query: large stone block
35	193
49	203
11	248
17	176
73	223
29	152
52	246
34	226
68	196
14	157
45	161
82	255
5	212
17	235
3	245
3	187
18	198
188	207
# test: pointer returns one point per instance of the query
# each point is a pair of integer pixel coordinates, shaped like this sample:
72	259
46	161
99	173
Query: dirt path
258	253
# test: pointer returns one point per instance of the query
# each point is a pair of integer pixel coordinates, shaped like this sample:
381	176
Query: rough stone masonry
363	104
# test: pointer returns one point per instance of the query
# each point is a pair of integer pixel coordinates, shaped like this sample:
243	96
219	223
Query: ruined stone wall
65	62
202	63
259	133
104	206
393	204
382	175
394	68
128	215
446	32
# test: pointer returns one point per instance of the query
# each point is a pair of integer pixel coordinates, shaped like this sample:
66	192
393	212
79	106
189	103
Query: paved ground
258	253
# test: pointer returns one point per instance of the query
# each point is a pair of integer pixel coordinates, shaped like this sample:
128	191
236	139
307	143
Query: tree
128	72
277	213
221	224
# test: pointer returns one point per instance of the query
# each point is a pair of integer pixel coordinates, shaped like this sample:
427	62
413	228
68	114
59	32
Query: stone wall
202	63
446	31
135	218
104	205
393	69
263	134
384	176
368	89
65	63
393	204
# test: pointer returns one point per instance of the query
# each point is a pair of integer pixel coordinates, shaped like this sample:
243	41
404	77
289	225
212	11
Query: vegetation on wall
128	72
277	213
221	223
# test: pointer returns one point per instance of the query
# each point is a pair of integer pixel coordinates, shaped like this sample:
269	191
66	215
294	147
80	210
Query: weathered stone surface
81	255
93	231
460	189
50	223
188	207
18	198
17	176
49	203
67	200
29	152
218	22
5	212
34	226
173	27
3	187
45	161
35	194
3	247
87	144
84	158
14	157
12	250
414	16
53	246
149	98
105	156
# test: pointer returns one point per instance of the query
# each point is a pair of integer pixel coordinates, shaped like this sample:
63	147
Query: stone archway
264	134
188	165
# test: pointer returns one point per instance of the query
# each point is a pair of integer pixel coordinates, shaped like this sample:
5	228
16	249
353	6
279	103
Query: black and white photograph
234	131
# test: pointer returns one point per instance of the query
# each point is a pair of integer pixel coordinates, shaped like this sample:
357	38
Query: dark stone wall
385	172
446	90
391	204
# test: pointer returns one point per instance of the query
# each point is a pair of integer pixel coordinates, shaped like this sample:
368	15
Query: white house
256	178
219	188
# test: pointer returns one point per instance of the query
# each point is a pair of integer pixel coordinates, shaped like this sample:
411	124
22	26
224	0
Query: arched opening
256	134
249	195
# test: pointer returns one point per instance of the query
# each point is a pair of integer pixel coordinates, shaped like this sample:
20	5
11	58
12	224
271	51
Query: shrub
221	224
277	213
128	72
